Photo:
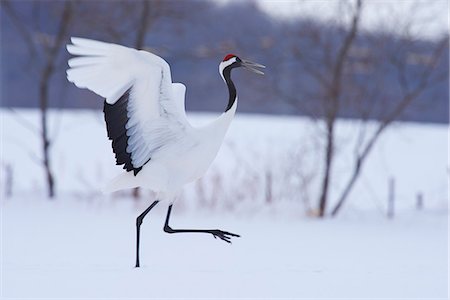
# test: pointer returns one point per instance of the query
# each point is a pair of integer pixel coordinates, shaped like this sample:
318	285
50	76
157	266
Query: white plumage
146	121
157	127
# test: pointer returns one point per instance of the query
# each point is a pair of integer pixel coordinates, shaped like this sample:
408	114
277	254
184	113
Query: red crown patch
228	57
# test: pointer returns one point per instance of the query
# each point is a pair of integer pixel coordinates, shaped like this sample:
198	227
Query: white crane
146	120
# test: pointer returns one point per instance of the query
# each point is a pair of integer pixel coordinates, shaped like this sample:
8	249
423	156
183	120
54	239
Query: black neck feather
231	87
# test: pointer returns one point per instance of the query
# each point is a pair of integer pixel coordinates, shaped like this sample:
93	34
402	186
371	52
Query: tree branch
408	97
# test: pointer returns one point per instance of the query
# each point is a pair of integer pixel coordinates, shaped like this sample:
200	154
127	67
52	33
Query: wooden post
391	198
419	201
268	186
8	180
136	193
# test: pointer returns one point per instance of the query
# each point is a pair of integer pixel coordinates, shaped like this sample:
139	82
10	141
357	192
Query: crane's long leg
223	235
139	220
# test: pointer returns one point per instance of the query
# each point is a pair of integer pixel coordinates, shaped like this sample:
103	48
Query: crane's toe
223	235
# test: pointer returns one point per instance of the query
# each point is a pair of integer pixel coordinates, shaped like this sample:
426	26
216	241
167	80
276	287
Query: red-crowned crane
146	121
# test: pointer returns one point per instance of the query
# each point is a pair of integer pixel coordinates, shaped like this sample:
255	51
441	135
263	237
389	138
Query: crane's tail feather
123	181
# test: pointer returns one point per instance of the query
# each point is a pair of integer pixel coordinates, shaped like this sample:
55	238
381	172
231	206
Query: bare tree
44	50
332	106
137	18
411	89
325	64
344	71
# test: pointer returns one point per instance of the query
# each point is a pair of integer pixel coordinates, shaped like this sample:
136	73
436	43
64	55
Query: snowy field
78	250
287	148
82	244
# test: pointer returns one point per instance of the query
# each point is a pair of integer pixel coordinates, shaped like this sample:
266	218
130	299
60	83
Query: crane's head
231	61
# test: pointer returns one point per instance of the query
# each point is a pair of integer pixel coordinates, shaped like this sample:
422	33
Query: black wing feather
116	118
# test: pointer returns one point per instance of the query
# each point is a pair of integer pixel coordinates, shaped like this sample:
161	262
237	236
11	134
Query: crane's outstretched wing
144	110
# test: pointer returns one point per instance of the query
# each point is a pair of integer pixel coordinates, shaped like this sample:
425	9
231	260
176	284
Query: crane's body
179	163
146	120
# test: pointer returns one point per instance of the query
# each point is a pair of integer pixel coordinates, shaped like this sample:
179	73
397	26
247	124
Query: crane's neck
231	88
219	127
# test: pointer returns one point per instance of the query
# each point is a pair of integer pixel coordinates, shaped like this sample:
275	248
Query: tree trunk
349	187
43	103
52	56
329	153
332	107
143	25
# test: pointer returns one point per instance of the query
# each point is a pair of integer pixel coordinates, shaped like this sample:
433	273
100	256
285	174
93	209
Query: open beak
254	67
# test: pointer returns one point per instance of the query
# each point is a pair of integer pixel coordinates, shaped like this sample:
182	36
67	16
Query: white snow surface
287	148
82	244
75	249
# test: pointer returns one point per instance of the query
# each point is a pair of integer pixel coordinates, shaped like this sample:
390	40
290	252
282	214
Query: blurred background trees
348	72
43	49
324	70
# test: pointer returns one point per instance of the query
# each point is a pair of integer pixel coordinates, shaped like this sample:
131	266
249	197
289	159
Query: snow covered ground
81	245
286	148
77	249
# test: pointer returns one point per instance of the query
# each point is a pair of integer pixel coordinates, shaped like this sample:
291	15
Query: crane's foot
223	235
